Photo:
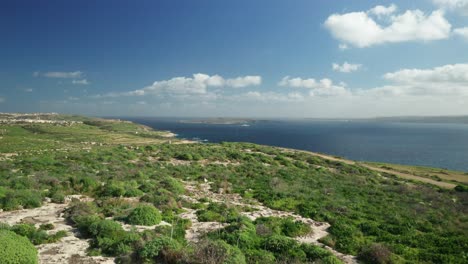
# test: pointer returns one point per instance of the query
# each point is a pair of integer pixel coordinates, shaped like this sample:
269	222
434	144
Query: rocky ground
72	249
198	191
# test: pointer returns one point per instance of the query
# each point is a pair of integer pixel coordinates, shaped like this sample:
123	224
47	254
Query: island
223	121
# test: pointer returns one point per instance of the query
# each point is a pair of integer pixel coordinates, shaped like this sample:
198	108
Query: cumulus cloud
360	29
460	6
448	80
267	97
381	11
198	84
444	81
462	32
244	81
81	82
75	74
324	87
452	73
346	67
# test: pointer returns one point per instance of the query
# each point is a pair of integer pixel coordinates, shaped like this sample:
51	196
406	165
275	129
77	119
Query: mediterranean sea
425	144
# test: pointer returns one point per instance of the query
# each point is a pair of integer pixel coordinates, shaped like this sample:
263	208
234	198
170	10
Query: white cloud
343	47
448	80
381	11
244	81
462	32
460	6
2	99
82	82
444	81
324	87
452	73
346	67
184	87
267	97
437	90
75	74
28	90
359	29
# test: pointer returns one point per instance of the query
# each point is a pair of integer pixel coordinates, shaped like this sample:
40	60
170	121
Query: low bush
283	226
37	236
375	253
217	251
144	215
16	249
218	212
158	249
17	199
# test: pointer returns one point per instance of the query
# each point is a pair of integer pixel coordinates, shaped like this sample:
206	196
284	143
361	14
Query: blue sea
425	144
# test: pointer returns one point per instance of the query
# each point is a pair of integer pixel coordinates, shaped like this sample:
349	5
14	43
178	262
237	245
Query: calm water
435	145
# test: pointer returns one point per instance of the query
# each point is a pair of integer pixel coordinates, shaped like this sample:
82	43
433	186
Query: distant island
222	121
403	119
425	119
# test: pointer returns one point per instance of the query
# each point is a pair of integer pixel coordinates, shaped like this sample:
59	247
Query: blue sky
262	58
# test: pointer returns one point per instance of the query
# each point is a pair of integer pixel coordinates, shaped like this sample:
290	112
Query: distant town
35	118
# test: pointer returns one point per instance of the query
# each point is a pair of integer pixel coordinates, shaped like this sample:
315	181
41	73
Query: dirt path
197	191
445	185
69	250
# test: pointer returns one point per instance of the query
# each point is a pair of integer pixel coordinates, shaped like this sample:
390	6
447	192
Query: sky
242	58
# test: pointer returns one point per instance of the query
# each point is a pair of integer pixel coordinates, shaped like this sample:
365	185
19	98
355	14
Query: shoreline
441	184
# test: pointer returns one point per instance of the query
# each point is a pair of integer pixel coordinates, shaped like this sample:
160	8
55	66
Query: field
138	197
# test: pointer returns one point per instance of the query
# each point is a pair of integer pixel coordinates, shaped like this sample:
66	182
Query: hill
140	196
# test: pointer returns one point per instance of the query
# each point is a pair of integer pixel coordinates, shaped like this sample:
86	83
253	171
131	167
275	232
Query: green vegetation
36	236
263	241
218	212
374	215
283	226
144	215
15	249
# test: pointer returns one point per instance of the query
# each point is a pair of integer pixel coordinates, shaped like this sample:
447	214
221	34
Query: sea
425	144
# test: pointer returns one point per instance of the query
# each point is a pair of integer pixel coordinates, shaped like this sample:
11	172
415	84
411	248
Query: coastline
441	184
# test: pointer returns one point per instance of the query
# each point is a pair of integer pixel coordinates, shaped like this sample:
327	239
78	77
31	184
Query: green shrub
217	251
144	215
461	188
314	252
114	207
16	199
111	189
278	244
105	228
58	197
218	212
37	237
156	248
375	253
47	226
15	249
84	222
259	257
284	226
